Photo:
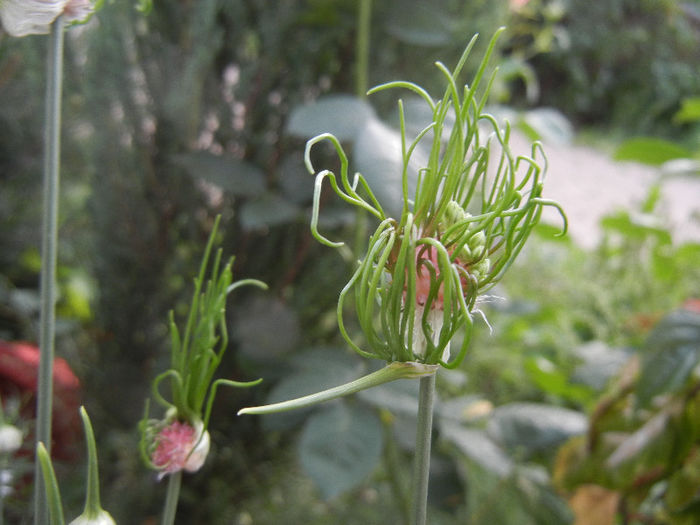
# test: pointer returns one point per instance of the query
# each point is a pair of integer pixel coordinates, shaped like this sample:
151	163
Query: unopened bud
10	438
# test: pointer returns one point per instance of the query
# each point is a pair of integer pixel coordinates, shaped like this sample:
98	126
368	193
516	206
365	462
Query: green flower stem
364	18
391	372
48	256
421	465
174	482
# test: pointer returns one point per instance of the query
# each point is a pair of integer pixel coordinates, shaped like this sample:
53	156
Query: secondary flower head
180	446
474	207
180	440
31	17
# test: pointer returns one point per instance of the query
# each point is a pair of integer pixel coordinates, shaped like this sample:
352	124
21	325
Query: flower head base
180	446
101	518
474	207
31	17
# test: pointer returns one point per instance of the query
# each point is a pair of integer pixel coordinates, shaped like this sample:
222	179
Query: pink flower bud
180	446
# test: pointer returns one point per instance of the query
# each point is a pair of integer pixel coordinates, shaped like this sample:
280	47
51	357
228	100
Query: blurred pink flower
31	17
179	447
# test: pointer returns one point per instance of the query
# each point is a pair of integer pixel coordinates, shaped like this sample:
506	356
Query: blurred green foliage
174	116
625	63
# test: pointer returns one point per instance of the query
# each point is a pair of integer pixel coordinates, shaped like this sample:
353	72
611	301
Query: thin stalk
4	466
364	18
421	465
170	509
49	245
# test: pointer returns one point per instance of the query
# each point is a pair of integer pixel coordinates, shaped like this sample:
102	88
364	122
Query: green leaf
341	115
534	427
267	212
228	173
600	364
378	158
420	24
553	381
340	446
253	328
547	124
671	354
649	150
294	181
637	226
478	447
689	112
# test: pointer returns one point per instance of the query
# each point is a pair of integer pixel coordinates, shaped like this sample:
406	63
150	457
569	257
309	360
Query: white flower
10	438
31	17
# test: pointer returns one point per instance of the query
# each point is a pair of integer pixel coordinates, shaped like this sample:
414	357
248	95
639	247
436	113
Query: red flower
19	365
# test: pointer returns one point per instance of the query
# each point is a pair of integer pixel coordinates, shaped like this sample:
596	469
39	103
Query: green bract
474	207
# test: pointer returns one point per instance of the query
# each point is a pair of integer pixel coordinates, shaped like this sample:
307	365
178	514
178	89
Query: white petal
29	17
196	458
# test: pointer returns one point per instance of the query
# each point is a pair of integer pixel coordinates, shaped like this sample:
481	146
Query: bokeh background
203	107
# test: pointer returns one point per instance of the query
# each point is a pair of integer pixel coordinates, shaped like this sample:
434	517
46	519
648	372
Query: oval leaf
649	150
420	24
266	212
228	173
252	330
341	115
478	447
534	427
671	354
378	158
340	446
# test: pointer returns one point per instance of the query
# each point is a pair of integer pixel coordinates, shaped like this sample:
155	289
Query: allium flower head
180	446
474	206
31	17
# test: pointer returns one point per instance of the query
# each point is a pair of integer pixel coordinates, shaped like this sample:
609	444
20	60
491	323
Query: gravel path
589	185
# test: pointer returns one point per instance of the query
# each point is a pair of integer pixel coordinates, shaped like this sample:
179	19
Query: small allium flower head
32	17
180	446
